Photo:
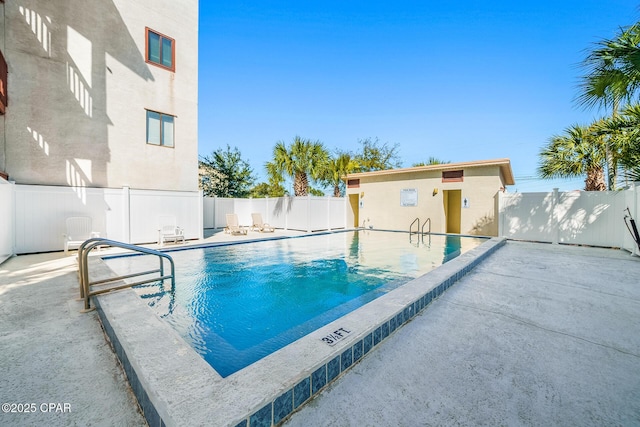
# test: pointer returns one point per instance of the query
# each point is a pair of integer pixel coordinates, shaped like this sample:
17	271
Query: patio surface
536	335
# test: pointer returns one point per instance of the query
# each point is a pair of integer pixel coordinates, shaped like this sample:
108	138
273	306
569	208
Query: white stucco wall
78	87
380	206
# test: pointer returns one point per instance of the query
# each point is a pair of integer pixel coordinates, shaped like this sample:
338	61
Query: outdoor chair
79	229
233	226
169	230
259	225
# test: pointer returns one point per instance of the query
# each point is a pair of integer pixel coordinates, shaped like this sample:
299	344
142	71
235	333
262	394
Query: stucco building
454	197
100	93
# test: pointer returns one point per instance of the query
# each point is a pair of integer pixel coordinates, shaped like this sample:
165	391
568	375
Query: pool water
238	303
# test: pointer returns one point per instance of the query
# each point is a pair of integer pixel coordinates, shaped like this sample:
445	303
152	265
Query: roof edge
504	163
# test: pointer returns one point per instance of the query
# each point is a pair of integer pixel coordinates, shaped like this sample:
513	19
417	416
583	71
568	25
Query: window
353	183
160	128
161	50
452	176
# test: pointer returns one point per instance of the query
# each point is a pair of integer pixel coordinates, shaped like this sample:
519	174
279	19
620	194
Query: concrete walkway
537	335
51	353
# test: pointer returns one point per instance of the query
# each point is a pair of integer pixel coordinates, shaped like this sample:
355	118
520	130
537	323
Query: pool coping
175	386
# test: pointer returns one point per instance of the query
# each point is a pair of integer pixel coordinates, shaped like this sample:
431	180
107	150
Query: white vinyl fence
575	217
127	215
6	220
32	217
307	213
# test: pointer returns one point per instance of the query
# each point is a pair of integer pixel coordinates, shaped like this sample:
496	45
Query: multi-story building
100	93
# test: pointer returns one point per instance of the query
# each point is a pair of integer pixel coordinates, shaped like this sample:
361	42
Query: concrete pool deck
537	334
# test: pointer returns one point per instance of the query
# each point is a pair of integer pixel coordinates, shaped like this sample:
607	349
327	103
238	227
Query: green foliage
225	174
264	189
612	71
623	133
316	192
302	161
341	164
431	161
577	152
375	156
612	80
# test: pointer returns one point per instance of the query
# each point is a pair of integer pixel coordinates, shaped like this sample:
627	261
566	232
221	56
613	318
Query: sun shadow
64	66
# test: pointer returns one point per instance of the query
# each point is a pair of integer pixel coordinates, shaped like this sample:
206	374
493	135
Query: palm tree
577	152
304	159
624	131
431	161
339	166
613	78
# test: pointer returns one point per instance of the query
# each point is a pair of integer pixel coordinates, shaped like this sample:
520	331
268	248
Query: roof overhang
503	164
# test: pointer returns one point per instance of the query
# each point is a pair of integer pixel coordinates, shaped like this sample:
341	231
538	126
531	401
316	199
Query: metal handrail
428	220
83	269
417	228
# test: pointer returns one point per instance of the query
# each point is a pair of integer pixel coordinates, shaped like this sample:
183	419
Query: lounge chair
260	226
79	229
169	231
233	226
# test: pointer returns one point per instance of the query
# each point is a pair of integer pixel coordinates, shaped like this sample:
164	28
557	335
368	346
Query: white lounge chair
233	226
169	230
259	225
79	229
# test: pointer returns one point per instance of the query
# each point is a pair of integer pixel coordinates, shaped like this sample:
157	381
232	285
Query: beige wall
78	87
380	200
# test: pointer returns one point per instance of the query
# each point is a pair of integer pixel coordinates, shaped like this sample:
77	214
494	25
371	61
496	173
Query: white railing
594	218
307	213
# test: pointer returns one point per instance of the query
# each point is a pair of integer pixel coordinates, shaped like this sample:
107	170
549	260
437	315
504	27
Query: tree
612	78
339	166
431	161
264	189
375	156
302	160
225	174
577	152
624	132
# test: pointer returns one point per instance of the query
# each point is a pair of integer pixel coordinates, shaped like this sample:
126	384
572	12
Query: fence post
500	214
308	213
329	213
267	210
285	202
555	223
201	215
126	214
634	212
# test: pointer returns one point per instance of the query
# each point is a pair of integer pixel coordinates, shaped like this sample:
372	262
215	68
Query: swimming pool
235	304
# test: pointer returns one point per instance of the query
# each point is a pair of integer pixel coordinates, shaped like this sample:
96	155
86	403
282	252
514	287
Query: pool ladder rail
83	269
420	231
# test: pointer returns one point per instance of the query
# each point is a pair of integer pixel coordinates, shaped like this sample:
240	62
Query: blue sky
459	81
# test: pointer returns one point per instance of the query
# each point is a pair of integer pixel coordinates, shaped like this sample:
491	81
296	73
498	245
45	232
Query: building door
452	200
355	208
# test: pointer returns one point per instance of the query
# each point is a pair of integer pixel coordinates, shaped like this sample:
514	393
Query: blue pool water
236	304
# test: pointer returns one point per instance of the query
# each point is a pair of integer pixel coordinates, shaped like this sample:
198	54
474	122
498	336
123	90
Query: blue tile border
148	409
280	408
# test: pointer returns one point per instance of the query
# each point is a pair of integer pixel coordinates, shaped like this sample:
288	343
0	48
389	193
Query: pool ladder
83	269
420	231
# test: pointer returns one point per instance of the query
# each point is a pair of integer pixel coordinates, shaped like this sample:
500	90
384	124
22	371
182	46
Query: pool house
457	198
